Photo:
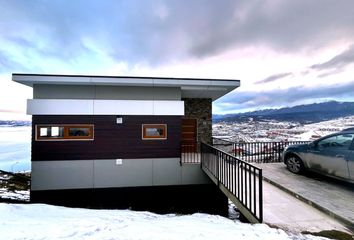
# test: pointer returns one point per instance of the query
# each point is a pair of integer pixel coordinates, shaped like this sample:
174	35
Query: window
64	132
339	141
154	131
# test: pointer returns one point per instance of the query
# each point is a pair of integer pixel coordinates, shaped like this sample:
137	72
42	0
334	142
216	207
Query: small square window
43	132
154	131
55	131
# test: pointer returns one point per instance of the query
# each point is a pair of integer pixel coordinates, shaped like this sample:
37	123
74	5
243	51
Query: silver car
332	155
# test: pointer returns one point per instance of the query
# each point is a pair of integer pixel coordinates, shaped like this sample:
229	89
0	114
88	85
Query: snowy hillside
6	195
265	131
39	221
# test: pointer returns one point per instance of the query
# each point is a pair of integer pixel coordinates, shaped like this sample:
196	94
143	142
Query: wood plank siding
189	134
111	140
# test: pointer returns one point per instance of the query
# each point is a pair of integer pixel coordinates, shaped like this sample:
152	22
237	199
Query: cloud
238	101
337	62
284	26
329	73
164	31
92	37
9	111
274	77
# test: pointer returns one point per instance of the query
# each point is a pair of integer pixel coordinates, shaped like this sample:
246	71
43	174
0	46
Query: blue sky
284	52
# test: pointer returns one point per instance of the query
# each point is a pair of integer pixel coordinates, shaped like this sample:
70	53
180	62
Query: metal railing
190	153
257	152
241	181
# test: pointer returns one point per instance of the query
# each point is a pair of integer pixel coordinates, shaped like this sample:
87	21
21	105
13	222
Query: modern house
105	141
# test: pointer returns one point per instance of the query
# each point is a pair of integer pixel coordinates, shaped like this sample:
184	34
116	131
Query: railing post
260	196
201	154
217	168
181	150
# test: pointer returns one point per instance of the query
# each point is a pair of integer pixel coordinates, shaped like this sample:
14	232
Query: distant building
103	141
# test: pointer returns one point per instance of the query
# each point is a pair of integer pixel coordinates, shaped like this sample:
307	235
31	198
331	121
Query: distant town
251	130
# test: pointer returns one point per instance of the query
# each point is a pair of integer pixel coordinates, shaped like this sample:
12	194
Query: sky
285	53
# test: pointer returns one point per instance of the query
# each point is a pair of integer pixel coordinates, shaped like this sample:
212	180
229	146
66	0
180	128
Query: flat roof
190	87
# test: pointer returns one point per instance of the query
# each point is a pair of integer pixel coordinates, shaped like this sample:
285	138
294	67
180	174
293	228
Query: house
115	142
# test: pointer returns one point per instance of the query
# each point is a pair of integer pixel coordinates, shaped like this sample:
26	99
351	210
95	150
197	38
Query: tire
294	164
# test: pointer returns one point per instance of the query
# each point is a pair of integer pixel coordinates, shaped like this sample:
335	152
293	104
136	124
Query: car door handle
339	156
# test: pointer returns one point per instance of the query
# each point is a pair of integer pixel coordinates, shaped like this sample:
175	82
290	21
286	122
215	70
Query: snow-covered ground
15	148
39	221
14	195
316	130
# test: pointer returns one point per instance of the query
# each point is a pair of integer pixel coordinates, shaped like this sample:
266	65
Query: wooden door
189	135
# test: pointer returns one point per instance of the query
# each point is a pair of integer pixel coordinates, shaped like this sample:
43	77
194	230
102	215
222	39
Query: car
332	155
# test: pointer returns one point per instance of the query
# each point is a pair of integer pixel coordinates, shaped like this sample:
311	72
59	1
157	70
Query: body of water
15	148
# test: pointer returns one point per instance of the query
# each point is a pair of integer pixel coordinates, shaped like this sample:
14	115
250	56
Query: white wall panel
59	107
169	108
123	107
104	107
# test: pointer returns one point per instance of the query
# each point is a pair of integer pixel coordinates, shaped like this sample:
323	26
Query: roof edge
136	77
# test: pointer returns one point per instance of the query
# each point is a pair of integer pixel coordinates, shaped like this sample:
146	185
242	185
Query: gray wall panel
46	91
193	174
131	173
76	174
63	92
62	175
137	93
166	171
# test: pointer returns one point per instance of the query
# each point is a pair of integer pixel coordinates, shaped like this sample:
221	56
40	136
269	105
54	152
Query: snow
14	195
40	221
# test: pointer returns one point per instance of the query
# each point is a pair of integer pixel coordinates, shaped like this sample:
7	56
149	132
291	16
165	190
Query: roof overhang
190	87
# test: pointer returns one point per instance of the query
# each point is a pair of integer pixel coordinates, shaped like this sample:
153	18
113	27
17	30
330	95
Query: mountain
309	113
15	123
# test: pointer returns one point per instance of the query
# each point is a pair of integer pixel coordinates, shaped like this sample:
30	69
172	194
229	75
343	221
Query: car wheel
294	164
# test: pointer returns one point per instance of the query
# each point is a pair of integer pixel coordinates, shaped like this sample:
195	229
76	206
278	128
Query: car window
339	141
